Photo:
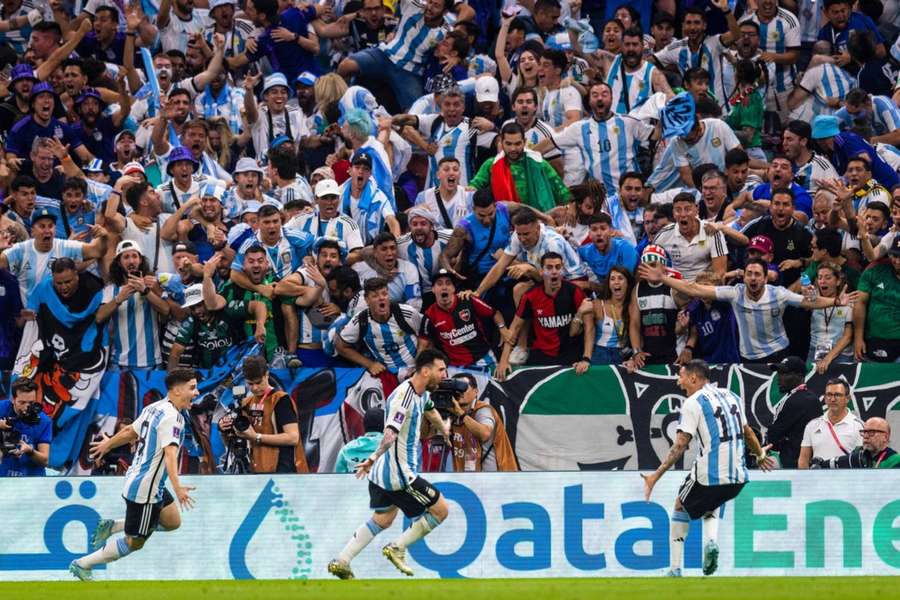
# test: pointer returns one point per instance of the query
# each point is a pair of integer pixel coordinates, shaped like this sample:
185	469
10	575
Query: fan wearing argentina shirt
423	246
632	79
285	248
779	40
381	259
822	88
715	418
327	221
878	113
707	142
448	200
394	482
159	433
607	143
757	305
387	332
399	62
700	50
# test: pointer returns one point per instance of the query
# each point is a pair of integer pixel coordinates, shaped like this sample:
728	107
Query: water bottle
810	292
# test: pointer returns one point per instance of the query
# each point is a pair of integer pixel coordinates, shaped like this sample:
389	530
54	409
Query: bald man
875	453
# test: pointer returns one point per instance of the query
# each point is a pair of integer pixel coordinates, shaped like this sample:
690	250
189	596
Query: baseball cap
132	168
895	247
361	158
95	166
791	364
279	140
443	273
306	78
214	4
663	17
653	253
42	213
127	132
823	126
327	187
126	245
86	93
193	295
184	247
763	243
487	90
248	165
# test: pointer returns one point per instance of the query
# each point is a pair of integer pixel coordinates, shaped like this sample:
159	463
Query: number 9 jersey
715	418
160	425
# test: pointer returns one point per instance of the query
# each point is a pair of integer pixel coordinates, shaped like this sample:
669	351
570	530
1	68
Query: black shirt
786	433
790	243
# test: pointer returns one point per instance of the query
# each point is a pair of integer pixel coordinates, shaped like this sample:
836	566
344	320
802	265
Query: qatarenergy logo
270	500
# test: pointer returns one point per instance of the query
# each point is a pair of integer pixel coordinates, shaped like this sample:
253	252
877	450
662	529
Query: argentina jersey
398	467
160	425
30	266
710	56
817	170
134	327
714	417
341	227
779	35
608	148
823	82
549	241
885	117
717	139
557	103
310	333
285	256
390	343
413	39
404	286
760	325
425	260
634	90
455	141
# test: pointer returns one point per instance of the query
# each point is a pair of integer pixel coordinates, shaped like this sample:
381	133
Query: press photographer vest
502	449
264	459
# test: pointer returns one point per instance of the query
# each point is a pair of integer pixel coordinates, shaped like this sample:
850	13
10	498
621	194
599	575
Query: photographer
477	435
267	419
25	433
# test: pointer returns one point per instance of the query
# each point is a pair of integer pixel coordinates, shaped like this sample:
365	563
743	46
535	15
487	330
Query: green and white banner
609	419
572	524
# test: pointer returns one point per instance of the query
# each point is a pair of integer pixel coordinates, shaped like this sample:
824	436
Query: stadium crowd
532	182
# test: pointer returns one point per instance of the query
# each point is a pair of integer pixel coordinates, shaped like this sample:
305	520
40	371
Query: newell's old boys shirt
550	318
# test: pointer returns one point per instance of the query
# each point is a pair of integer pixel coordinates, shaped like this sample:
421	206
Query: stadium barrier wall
578	524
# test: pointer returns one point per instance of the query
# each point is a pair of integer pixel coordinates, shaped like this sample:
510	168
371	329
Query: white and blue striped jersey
30	266
607	330
715	418
291	122
717	139
760	325
822	82
425	260
18	38
637	86
210	169
826	328
453	141
298	189
285	256
369	211
399	466
425	105
665	176
629	223
159	426
557	103
226	104
810	14
413	39
235	40
341	227
135	331
405	286
779	35
549	241
172	196
457	208
309	333
536	134
810	175
387	342
607	148
889	154
884	116
710	56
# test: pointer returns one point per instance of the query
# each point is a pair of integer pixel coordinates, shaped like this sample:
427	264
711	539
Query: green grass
714	588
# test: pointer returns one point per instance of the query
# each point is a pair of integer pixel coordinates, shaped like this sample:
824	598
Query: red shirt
459	332
550	318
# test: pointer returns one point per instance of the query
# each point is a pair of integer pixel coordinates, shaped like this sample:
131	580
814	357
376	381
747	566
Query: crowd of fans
565	183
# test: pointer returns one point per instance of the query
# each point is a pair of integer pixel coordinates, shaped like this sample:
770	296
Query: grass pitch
714	588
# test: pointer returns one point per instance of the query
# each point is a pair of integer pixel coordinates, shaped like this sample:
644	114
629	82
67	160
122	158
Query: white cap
193	295
126	245
487	90
248	165
327	187
274	80
214	4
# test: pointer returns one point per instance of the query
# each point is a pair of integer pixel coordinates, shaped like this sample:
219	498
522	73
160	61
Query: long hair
329	89
119	276
223	155
629	289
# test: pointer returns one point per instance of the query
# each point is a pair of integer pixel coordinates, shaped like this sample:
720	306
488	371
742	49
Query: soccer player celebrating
159	432
392	469
716	417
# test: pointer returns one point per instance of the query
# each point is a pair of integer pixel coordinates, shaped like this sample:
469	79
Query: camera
239	421
10	438
448	390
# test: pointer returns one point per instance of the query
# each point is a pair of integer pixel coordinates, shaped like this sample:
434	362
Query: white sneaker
518	356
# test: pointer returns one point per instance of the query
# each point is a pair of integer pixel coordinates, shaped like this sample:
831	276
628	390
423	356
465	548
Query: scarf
45	294
503	185
382	175
372	224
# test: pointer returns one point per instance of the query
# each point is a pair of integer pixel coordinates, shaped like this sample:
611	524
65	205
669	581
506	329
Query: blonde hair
221	125
329	89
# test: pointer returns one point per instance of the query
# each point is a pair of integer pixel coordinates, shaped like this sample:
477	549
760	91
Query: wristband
131	33
501	326
258	439
585	359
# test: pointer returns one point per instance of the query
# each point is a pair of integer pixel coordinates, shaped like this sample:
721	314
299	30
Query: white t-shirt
817	436
148	239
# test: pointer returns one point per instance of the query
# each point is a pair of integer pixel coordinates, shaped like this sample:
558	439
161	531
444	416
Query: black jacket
786	433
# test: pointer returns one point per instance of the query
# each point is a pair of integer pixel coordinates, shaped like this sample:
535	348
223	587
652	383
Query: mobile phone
512	10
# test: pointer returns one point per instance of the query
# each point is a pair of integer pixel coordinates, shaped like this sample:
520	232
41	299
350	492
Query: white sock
118	526
681	522
361	538
711	528
114	549
417	531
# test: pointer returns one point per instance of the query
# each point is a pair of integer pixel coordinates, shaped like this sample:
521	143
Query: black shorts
142	519
698	499
413	500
